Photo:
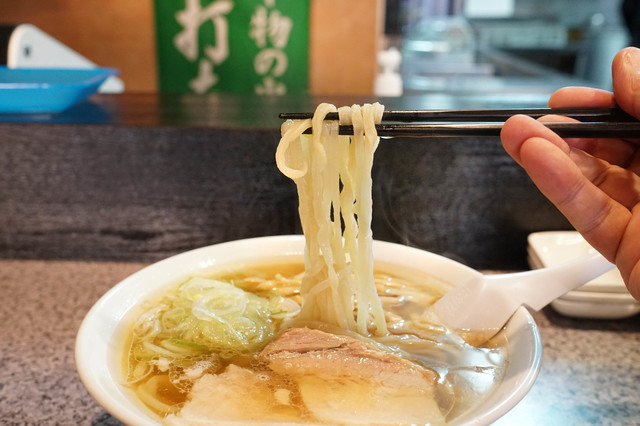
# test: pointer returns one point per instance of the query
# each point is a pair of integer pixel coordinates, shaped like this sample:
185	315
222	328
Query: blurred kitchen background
445	45
505	38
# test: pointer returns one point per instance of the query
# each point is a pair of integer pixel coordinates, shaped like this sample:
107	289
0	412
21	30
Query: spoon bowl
484	304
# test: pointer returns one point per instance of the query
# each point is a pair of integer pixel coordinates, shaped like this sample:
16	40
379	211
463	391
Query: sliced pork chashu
344	381
235	396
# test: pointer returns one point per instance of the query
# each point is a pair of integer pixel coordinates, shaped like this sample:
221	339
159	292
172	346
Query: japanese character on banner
270	30
270	87
186	41
272	27
271	60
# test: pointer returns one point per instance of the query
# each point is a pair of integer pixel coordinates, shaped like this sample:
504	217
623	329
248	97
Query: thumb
626	80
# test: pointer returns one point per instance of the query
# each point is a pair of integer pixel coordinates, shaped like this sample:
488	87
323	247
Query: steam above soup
324	340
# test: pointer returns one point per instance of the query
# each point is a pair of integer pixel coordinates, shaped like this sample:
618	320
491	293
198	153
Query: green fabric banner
241	46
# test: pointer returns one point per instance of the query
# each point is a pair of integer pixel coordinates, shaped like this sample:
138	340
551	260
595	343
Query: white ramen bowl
100	340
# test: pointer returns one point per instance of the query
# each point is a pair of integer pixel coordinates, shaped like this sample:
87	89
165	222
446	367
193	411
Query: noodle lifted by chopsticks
333	177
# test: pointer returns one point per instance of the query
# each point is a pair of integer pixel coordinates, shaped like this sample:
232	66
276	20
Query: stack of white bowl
605	297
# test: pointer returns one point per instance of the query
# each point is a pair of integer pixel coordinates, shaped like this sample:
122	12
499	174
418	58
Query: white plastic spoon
484	304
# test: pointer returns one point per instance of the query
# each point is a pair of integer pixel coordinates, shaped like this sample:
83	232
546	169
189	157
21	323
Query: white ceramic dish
100	337
595	309
594	297
552	248
605	297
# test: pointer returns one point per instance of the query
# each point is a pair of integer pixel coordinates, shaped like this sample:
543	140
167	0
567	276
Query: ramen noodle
333	177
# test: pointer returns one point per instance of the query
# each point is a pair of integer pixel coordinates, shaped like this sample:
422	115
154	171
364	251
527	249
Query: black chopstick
565	130
608	122
489	115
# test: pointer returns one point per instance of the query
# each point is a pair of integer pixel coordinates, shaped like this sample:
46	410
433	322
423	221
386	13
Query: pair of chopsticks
594	122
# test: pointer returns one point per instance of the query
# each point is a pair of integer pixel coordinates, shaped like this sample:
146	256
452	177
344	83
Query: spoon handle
539	287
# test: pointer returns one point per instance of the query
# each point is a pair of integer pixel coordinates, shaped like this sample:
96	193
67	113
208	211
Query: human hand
595	183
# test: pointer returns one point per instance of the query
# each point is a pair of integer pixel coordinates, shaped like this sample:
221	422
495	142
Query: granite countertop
590	373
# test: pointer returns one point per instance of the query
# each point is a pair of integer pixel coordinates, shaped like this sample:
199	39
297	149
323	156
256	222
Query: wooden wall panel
344	41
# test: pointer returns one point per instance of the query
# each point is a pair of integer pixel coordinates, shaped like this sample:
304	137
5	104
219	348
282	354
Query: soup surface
230	346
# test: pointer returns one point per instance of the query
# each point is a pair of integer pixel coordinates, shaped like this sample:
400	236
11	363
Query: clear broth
467	374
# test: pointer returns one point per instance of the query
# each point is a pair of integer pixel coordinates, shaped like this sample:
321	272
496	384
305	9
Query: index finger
568	97
551	166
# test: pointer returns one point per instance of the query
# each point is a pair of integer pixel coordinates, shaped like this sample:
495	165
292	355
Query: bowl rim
102	326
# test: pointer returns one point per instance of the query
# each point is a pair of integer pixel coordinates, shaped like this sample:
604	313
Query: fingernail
631	61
